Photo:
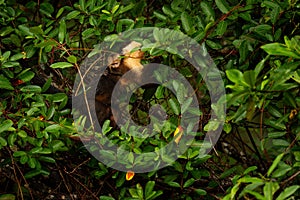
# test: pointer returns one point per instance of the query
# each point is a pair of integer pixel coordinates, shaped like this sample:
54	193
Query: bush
255	45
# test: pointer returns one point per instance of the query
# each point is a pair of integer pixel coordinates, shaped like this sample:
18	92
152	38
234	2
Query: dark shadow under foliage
254	44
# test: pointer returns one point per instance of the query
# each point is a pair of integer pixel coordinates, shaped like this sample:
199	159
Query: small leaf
3	141
106	198
275	163
149	188
189	182
7	197
234	75
174	184
72	59
46	159
31	89
223	6
26	75
129	175
249	169
62	31
269	189
175	106
280	50
5	125
73	14
53	128
61	65
200	192
186	22
207	9
33	173
288	192
249	77
260	66
5	84
221	28
178	134
19	153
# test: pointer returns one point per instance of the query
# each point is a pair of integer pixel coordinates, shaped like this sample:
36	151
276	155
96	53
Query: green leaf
160	16
72	14
234	75
139	190
189	182
128	23
223	6
60	11
186	21
3	141
5	125
5	84
256	194
36	30
186	104
35	150
61	65
227	127
200	192
54	128
168	11
260	66
269	189
57	145
279	50
31	89
275	163
88	33
221	28
228	172
174	106
149	188
211	125
59	97
10	64
47	85
207	9
249	169
72	59
248	179
288	192
174	184
19	153
24	159
17	56
282	170
7	197
249	77
22	134
26	75
62	31
33	173
106	198
46	159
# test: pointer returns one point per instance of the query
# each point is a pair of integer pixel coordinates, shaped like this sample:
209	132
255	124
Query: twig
290	178
89	191
78	166
15	173
64	180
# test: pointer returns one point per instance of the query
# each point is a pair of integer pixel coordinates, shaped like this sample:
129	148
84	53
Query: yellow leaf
178	134
129	175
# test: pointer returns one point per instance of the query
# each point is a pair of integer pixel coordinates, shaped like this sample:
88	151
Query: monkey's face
137	54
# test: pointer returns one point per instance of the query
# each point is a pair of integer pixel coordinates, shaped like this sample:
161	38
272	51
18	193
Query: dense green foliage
255	45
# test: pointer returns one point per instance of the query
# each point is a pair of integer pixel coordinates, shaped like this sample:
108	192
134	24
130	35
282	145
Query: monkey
131	60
